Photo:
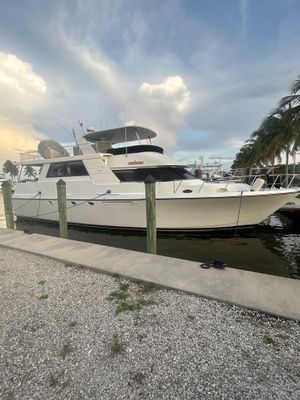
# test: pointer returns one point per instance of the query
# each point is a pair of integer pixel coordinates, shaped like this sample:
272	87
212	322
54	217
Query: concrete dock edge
266	293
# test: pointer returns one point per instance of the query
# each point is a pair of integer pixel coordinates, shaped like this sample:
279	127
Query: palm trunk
287	168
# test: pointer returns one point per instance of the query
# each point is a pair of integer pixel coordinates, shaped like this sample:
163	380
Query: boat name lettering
135	163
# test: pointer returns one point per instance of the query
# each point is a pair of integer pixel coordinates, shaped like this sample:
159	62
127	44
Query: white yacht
105	187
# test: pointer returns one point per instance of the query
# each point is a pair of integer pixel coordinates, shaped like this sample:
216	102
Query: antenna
81	126
105	111
58	123
100	115
74	135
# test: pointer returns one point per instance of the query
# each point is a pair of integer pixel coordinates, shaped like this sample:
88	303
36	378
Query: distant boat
105	187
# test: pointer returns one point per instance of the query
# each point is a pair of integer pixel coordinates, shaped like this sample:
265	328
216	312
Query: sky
203	74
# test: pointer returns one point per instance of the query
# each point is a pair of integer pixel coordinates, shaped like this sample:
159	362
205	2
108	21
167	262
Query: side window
55	170
125	176
72	168
164	174
75	168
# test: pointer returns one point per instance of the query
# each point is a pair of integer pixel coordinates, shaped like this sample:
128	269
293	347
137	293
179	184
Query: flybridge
102	143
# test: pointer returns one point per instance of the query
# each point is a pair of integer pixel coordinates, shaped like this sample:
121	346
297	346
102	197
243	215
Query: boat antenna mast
72	134
81	126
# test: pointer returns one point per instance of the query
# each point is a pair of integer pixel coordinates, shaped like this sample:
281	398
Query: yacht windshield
163	174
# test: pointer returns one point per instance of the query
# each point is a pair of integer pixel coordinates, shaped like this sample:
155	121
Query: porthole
73	203
187	191
90	203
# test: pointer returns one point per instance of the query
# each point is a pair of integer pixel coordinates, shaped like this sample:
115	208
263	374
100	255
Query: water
271	248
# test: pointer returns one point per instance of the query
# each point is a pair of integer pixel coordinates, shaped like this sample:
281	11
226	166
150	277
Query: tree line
279	132
12	169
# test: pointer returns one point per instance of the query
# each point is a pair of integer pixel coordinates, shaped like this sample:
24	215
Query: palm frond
285	101
295	88
291	100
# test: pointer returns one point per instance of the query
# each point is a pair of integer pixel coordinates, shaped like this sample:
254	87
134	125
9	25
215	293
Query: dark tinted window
136	149
72	168
159	174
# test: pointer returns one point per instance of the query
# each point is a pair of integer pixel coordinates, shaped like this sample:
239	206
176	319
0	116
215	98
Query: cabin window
71	168
164	174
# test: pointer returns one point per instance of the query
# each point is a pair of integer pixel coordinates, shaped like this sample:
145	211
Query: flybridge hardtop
121	135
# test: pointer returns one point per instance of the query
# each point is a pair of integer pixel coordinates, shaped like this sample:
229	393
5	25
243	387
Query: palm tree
29	171
244	157
262	152
289	137
241	157
292	103
279	131
294	98
254	152
11	168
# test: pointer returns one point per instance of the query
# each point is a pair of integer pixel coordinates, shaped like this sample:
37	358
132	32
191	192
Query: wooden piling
62	208
150	194
8	208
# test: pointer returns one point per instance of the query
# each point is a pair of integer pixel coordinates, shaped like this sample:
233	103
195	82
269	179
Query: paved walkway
271	294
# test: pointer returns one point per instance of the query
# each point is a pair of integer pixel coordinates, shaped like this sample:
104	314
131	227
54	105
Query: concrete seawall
271	294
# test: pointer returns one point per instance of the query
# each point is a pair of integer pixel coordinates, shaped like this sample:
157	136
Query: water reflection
271	248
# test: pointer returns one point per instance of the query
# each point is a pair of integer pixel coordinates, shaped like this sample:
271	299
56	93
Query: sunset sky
201	73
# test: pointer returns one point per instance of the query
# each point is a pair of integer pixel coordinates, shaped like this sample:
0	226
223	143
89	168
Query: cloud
96	67
15	138
171	93
19	75
108	80
160	106
22	93
235	143
125	61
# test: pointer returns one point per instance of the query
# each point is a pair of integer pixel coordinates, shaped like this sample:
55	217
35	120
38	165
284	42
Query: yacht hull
197	213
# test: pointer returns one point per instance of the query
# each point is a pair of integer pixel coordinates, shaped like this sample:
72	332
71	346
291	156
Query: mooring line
56	211
22	205
238	216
